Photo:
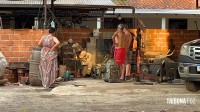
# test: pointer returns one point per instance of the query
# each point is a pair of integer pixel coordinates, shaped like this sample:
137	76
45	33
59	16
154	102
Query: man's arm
114	35
129	39
89	59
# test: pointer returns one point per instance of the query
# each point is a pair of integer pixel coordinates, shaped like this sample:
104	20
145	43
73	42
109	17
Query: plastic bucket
3	63
36	53
34	67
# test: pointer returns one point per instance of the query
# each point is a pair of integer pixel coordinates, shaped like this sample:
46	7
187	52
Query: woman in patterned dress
48	60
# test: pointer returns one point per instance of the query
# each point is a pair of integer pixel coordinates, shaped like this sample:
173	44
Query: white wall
152	23
192	25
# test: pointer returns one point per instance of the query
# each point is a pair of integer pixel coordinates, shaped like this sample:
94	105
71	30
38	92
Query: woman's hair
52	30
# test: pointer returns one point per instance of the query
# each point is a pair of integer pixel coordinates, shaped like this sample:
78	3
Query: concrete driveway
96	95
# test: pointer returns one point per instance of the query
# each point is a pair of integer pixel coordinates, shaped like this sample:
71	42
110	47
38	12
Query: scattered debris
77	85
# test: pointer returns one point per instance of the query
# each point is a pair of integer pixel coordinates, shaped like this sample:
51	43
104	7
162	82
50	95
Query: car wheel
192	86
3	81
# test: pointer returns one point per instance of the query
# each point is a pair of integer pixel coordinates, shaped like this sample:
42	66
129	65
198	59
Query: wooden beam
45	13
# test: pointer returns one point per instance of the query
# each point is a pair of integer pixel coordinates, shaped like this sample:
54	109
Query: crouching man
87	62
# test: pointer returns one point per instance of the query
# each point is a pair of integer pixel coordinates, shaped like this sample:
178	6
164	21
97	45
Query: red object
23	79
10	77
120	55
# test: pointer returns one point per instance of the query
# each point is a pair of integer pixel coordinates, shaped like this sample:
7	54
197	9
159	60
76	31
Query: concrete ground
85	95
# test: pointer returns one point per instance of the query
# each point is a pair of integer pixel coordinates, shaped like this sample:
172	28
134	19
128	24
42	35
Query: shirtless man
120	41
129	40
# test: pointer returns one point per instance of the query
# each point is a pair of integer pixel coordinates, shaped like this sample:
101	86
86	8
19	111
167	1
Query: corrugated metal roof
22	2
85	2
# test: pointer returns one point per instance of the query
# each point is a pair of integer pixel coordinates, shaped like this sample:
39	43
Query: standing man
129	40
120	41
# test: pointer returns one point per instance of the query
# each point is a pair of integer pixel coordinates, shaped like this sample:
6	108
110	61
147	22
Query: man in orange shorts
120	41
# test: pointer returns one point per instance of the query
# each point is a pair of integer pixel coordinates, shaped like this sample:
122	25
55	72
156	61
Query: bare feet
121	78
127	77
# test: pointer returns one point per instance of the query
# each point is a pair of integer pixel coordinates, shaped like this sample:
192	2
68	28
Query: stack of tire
34	73
106	75
112	74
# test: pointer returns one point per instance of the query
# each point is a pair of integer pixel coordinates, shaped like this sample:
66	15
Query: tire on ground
3	81
192	86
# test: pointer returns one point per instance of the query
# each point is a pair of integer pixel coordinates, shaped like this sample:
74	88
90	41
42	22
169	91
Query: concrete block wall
104	34
91	47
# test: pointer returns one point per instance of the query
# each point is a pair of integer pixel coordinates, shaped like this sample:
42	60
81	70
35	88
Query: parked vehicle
189	64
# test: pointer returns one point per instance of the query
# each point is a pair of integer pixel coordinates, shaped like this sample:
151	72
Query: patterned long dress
48	62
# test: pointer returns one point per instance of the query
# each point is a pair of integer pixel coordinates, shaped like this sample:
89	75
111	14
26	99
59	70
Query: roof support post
45	13
197	4
52	5
98	23
163	24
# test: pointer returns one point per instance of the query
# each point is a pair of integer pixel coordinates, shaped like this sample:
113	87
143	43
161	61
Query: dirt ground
85	95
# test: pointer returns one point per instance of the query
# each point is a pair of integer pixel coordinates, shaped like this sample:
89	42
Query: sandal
52	86
121	80
128	77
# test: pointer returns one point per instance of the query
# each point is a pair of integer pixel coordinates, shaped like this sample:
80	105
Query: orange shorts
120	55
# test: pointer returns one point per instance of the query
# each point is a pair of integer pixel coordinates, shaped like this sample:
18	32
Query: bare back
120	40
129	38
